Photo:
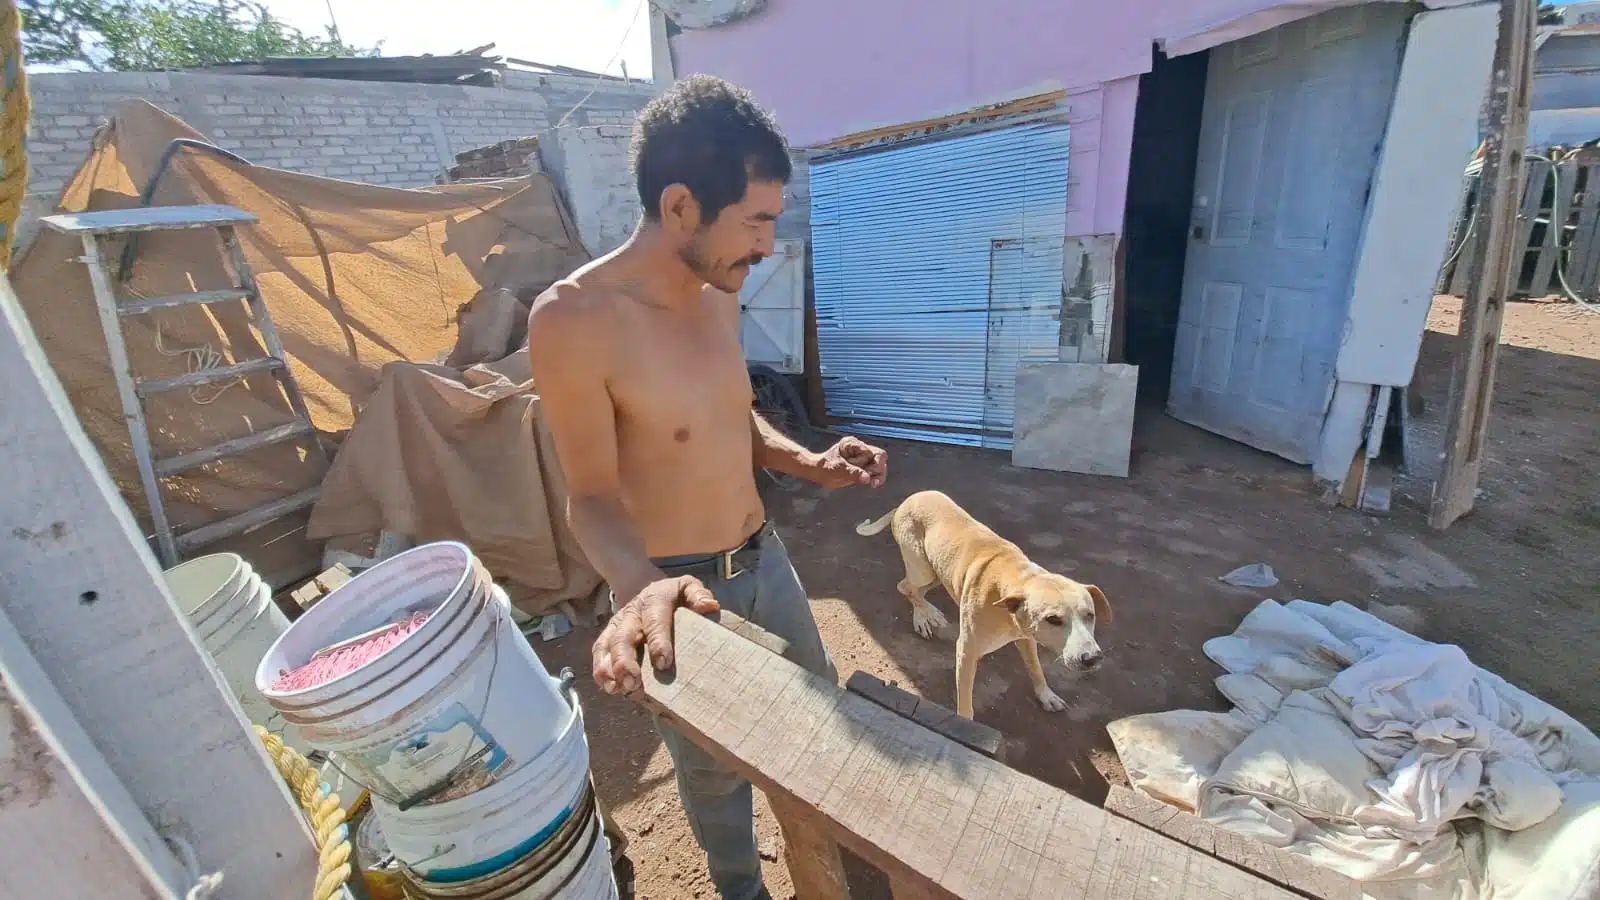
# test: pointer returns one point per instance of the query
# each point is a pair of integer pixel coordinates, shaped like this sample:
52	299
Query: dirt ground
1515	583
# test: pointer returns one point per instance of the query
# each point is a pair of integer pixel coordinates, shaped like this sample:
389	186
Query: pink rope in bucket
340	659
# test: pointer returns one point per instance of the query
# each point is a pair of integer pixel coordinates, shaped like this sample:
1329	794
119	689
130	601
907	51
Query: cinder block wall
382	133
402	135
590	166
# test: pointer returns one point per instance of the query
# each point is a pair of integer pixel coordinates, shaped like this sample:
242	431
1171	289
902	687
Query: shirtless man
642	380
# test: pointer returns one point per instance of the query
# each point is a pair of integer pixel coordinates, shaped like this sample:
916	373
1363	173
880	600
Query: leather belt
724	566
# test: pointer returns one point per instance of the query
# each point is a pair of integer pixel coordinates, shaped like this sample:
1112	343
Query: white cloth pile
1390	759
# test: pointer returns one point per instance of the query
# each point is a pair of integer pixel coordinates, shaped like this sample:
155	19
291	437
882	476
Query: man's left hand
851	462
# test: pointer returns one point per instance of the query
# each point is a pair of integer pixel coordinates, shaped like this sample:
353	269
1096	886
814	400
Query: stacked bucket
475	757
232	611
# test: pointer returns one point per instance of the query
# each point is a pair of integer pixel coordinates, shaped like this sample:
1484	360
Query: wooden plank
208	376
1483	310
1583	264
1022	106
233	447
1534	181
244	276
105	302
750	631
810	853
147	218
940	819
977	736
901	889
1135	863
243	522
1288	870
141	305
1561	213
83	592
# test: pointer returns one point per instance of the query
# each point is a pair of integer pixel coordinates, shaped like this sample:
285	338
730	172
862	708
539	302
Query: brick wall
382	133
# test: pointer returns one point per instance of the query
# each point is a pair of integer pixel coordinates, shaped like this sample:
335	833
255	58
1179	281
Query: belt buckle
725	565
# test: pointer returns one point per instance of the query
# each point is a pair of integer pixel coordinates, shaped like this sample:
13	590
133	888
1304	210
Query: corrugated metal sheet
937	269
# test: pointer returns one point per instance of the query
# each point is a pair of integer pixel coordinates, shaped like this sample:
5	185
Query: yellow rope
13	128
320	806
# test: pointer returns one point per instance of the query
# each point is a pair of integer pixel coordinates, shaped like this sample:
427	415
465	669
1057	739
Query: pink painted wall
829	67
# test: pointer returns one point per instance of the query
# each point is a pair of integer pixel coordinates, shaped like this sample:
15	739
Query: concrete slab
1075	417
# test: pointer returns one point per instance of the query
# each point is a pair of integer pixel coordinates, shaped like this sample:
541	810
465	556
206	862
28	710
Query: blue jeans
717	800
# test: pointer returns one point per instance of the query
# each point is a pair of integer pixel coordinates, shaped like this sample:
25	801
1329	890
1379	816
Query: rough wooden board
1495	259
148	218
900	889
750	631
926	713
1135	863
888	133
1296	873
936	816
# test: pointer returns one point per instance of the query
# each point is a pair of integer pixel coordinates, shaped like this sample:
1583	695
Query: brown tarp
439	453
356	277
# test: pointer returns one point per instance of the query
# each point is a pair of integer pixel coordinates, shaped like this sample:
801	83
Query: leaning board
940	819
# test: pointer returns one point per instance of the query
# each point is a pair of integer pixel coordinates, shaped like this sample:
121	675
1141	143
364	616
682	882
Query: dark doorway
1166	140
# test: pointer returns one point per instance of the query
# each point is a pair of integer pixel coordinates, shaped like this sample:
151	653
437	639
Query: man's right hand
645	621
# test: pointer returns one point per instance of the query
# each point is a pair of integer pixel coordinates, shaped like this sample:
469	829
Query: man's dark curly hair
709	136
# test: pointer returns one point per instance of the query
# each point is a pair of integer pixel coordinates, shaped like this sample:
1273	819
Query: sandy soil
1514	583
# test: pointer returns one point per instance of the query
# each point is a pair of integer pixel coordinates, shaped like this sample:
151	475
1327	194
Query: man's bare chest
683	381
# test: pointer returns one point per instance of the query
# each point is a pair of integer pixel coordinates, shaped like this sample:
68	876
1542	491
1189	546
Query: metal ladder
94	227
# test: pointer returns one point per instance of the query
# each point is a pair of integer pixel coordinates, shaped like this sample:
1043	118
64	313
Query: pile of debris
508	159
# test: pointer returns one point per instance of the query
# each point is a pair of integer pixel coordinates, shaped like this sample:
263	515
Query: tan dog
1002	596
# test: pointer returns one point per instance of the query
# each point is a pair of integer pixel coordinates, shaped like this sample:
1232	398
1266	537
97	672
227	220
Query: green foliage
143	35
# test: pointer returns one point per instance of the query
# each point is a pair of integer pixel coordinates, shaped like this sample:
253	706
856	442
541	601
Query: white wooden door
1293	122
772	309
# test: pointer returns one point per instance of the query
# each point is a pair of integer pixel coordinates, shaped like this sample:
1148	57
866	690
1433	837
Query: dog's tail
871	527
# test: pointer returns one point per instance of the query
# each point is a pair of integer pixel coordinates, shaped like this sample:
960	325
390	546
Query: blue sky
586	34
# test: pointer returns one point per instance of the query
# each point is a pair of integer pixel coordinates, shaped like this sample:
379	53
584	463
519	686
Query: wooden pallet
939	818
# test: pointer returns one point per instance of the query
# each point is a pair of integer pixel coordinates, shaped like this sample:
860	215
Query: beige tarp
355	276
441	453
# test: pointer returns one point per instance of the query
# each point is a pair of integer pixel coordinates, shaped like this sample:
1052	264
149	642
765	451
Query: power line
637	8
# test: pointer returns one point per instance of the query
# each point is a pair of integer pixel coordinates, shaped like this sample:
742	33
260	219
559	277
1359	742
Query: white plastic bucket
462	702
576	865
231	609
487	830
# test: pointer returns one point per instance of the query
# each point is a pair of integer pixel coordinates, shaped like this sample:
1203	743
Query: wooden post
119	665
810	853
1495	264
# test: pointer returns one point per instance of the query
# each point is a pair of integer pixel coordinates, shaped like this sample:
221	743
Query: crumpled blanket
1390	759
1420	713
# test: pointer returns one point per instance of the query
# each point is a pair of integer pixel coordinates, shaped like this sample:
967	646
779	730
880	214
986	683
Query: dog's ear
1014	603
1102	606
